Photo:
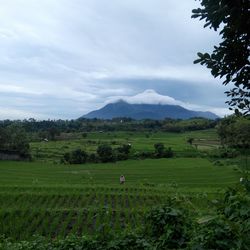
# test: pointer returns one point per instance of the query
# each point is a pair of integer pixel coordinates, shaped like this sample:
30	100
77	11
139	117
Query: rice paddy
58	200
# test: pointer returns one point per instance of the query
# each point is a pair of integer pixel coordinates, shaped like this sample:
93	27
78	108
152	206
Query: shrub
120	156
159	149
93	158
168	226
125	149
105	153
169	153
130	241
214	233
224	153
190	140
77	156
230	227
122	152
84	135
145	154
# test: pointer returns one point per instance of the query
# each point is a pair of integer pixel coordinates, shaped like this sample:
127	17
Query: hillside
146	111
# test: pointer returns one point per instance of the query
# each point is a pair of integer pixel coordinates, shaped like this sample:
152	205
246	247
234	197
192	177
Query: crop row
30	211
131	190
22	224
76	201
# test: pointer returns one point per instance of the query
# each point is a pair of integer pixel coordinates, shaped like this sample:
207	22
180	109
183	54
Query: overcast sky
64	58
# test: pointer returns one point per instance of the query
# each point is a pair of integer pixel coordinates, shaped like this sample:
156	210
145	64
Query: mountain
146	111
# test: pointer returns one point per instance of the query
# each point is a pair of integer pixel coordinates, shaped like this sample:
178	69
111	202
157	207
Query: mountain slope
146	111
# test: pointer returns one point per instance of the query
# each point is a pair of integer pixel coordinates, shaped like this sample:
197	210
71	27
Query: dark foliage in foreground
170	226
230	59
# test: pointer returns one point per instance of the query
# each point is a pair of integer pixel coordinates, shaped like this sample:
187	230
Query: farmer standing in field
122	179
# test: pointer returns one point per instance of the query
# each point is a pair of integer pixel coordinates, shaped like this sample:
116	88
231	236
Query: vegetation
58	200
177	172
14	140
230	59
173	225
235	131
77	156
81	205
141	144
51	129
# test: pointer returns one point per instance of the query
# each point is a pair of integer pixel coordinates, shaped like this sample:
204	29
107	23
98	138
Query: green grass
56	200
186	172
53	151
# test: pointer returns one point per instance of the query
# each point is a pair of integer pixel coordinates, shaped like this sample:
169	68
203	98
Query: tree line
105	153
51	128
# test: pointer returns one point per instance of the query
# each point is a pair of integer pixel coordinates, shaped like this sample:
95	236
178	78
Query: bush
145	154
120	156
215	233
224	153
168	226
84	135
105	153
93	158
124	149
77	156
159	150
190	140
230	227
169	153
122	152
130	241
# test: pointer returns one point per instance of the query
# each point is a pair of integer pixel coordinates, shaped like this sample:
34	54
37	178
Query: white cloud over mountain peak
150	96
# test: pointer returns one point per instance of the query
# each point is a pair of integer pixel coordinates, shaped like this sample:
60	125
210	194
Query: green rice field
52	151
58	200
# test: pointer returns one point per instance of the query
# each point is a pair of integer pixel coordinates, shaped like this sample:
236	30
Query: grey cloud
74	54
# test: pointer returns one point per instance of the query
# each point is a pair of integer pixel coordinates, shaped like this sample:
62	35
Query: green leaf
200	54
206	219
197	61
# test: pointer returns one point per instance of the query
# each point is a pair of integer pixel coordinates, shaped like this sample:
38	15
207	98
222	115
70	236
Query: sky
62	59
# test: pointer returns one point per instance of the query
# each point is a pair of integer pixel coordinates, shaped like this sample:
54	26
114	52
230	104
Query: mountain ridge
122	108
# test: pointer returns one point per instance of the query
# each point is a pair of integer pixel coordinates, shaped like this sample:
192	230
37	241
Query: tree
235	132
230	59
77	156
53	131
124	149
122	152
13	138
159	149
105	153
3	138
190	140
169	153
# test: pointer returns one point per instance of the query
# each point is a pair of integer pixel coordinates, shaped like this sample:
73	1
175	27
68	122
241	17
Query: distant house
45	139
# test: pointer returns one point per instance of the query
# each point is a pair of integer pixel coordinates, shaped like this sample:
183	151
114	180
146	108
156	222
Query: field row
52	151
56	212
22	224
185	173
52	212
58	201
